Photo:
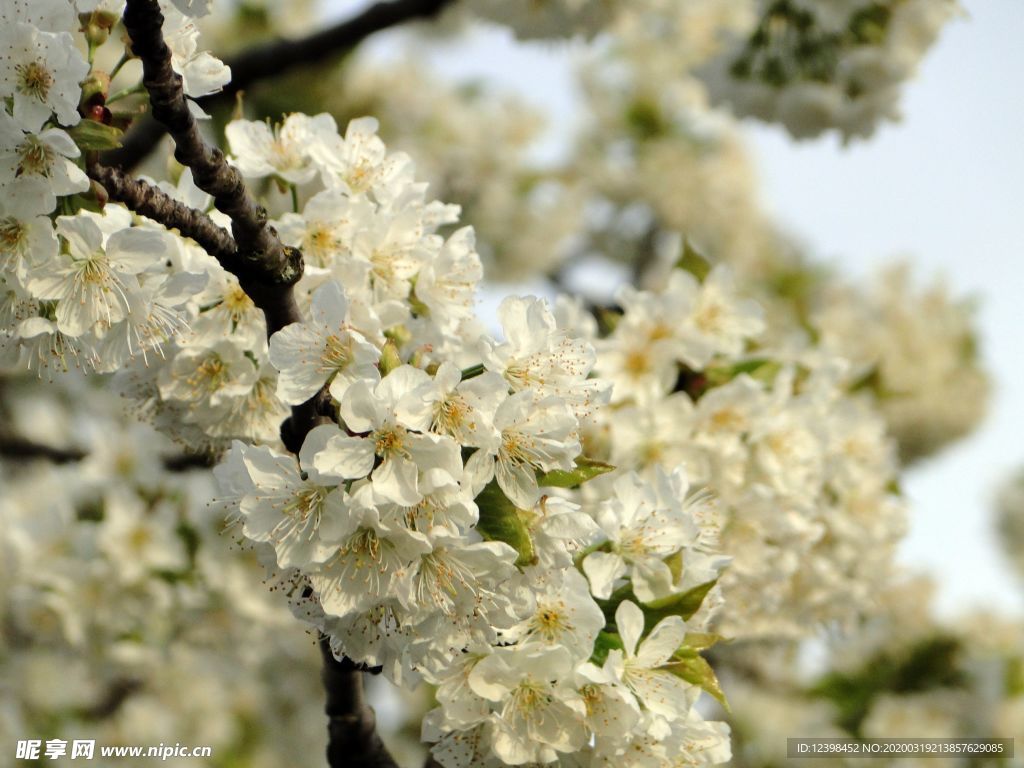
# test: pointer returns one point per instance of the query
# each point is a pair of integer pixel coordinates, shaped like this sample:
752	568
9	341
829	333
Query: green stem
125	58
125	92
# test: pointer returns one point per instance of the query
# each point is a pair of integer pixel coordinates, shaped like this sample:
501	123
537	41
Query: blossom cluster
909	346
79	289
817	65
902	673
423	532
474	148
802	468
125	614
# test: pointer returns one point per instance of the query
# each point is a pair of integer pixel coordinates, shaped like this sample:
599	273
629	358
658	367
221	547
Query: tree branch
270	59
153	202
267	272
20	449
265	268
351	724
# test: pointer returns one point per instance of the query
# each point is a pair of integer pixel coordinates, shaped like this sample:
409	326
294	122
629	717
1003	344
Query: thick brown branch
273	58
266	271
351	725
153	202
265	268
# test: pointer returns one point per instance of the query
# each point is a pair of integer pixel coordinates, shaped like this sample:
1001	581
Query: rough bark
351	725
267	271
265	267
154	203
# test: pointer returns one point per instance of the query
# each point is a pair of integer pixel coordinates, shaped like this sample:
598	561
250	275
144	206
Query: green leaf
696	670
605	642
501	520
586	469
693	262
91	135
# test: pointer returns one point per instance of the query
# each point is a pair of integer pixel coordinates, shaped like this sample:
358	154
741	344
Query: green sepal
700	641
607	320
685	604
758	368
473	371
91	135
501	520
693	261
389	358
690	666
605	642
586	469
399	335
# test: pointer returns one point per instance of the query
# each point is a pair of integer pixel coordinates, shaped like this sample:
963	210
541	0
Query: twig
156	204
20	449
273	58
184	462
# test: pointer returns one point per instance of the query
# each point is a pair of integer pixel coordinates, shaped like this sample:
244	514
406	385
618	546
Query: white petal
663	641
395	481
602	569
629	620
345	457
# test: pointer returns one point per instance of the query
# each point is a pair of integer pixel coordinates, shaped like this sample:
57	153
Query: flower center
710	317
514	447
637	362
529	697
34	158
364	545
304	503
726	419
320	243
34	80
388	441
550	622
95	269
211	374
337	353
284	156
450	415
237	303
13	236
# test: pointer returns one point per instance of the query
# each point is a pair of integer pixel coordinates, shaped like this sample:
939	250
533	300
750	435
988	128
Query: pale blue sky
945	188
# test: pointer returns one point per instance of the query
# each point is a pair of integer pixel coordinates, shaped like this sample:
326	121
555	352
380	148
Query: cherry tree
252	390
